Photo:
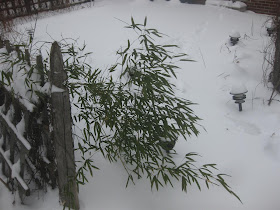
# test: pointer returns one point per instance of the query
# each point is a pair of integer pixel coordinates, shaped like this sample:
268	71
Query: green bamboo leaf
145	21
187	60
132	22
166	46
184	184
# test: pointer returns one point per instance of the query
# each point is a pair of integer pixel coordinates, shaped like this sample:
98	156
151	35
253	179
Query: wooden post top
58	75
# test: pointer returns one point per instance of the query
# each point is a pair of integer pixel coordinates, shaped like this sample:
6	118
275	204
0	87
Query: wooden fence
36	147
17	8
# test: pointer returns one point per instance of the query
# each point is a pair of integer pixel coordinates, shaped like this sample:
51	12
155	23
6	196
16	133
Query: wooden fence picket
62	127
10	10
57	164
1	43
8	46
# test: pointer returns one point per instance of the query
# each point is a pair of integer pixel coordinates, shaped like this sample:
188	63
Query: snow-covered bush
132	117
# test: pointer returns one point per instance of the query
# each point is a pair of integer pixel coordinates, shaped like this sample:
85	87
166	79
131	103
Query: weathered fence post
28	6
2	135
8	46
6	136
1	43
62	128
40	68
27	57
18	51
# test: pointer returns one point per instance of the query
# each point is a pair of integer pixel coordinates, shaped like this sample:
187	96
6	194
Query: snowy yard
245	145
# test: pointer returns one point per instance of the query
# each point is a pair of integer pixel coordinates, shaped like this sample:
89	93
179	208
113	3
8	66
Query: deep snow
245	145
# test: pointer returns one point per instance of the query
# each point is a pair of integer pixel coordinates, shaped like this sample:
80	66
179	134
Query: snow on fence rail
36	145
18	8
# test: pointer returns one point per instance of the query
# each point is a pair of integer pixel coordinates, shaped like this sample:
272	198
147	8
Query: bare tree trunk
275	76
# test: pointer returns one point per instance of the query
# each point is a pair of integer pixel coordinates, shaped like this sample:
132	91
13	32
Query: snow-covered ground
245	145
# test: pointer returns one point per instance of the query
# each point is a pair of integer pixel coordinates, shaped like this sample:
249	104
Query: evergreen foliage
134	118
